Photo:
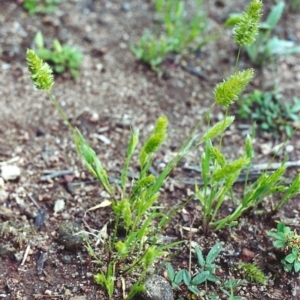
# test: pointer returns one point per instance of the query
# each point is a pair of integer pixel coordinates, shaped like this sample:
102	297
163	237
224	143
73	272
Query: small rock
67	235
78	298
59	205
126	7
19	256
157	288
102	138
94	117
48	293
10	172
66	259
247	255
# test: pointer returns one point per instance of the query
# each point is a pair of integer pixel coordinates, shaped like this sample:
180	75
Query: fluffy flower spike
227	91
41	73
247	28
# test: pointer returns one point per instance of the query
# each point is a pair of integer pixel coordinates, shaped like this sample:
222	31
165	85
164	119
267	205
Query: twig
25	255
33	200
192	70
52	174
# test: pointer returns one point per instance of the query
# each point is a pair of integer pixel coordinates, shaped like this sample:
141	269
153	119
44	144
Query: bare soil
113	93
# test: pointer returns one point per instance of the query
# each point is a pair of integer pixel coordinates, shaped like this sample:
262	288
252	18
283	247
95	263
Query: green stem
61	112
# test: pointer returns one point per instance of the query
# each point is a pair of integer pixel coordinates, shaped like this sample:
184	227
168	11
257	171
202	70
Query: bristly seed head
41	73
248	26
228	91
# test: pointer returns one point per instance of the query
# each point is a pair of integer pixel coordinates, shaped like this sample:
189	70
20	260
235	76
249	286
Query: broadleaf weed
270	112
290	241
205	274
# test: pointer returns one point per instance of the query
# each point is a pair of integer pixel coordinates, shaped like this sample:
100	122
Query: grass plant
219	175
176	32
41	6
267	48
134	209
134	204
62	58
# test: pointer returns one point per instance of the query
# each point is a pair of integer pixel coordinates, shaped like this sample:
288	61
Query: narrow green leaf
186	277
297	265
199	278
213	253
201	260
194	289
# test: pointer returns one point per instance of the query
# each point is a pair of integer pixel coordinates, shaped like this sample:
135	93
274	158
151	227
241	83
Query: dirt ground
113	93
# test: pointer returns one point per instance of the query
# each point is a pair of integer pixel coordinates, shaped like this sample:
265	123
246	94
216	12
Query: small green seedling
183	276
152	50
270	112
206	273
208	263
181	30
227	287
41	6
290	241
62	58
176	34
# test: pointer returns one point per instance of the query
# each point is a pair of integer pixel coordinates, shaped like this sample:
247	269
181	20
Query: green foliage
270	112
253	273
176	34
106	279
290	241
133	205
218	175
62	58
208	263
41	6
139	249
183	276
152	50
205	274
295	5
180	30
228	287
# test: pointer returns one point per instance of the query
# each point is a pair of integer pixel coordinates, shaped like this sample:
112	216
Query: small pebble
10	172
67	235
48	293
